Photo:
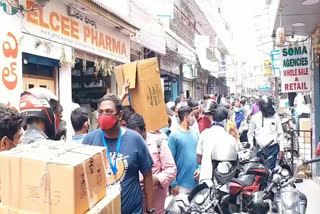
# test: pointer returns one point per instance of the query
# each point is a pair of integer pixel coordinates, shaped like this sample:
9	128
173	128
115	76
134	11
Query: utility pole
276	80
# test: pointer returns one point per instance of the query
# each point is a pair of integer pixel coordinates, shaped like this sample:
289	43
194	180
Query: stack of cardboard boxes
305	138
55	177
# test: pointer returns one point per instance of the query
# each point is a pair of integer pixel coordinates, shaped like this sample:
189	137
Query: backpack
239	118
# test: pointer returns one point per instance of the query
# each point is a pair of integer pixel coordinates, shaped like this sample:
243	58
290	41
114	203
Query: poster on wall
10	58
296	73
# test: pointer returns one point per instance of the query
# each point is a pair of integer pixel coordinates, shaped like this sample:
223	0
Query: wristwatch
151	211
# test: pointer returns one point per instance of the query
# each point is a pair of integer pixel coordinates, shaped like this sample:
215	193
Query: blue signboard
276	62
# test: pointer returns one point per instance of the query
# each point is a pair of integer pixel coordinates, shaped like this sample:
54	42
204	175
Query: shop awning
34	59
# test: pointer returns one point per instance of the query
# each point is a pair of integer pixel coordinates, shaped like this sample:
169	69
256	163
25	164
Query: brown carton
111	204
53	177
145	90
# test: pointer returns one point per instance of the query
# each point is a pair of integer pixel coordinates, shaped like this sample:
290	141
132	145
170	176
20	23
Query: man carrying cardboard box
127	154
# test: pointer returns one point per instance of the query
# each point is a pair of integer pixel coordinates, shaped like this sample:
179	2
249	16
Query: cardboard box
305	124
110	204
145	90
53	177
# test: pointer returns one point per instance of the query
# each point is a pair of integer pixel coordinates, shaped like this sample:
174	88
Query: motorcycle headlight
285	172
199	199
224	167
290	200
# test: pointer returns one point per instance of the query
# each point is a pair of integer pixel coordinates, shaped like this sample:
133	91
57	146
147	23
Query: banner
10	58
296	73
267	68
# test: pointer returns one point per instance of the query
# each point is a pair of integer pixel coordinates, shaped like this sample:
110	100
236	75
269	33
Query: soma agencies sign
296	74
84	31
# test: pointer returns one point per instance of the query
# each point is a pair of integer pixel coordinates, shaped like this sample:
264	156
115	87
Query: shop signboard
74	27
10	58
296	73
264	86
276	62
267	68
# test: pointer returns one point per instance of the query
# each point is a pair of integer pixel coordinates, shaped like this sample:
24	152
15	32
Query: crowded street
159	107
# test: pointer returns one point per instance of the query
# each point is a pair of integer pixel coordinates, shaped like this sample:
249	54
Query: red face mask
107	122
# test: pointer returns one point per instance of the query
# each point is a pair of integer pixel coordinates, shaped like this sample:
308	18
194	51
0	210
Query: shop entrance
30	81
39	72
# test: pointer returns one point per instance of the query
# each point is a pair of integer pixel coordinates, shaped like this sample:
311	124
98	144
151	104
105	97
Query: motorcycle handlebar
311	161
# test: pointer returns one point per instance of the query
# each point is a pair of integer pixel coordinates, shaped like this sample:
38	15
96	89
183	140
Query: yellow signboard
267	68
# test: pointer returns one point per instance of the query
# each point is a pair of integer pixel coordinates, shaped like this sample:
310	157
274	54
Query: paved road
312	190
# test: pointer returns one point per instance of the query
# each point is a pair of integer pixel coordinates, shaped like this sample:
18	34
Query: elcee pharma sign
296	74
10	58
82	30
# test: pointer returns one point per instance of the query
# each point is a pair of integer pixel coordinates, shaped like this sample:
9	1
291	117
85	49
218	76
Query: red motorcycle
253	177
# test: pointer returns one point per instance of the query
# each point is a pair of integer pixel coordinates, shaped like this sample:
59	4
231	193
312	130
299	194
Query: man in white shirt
213	137
266	128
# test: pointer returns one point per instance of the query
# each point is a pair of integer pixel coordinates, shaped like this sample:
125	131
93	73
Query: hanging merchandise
84	65
63	59
280	36
103	67
110	67
106	67
73	59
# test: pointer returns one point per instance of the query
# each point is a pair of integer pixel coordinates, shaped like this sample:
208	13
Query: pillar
65	96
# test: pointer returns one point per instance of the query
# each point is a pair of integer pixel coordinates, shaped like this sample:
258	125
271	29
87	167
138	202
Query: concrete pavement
312	191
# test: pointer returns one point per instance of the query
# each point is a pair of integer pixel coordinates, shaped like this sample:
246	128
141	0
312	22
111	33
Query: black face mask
267	111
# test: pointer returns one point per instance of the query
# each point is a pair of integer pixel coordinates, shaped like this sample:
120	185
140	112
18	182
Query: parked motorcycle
282	191
210	196
253	177
291	147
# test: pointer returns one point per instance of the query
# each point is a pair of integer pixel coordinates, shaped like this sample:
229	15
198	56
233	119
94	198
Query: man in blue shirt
127	154
80	124
183	145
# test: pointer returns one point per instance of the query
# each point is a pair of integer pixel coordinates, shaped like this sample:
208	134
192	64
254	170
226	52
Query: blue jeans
270	155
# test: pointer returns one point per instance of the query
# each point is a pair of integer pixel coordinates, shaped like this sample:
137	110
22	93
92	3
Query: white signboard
10	58
296	73
70	26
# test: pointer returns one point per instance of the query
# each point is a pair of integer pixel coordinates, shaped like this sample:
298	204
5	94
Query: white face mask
191	121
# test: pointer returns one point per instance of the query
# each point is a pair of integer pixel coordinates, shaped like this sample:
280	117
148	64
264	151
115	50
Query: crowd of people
147	165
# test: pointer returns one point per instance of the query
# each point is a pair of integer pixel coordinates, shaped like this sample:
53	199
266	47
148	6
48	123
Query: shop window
88	85
30	86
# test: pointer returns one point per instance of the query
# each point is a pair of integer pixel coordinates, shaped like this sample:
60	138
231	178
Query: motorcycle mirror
298	180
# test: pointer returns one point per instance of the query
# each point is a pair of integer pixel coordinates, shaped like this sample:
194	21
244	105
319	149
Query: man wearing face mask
183	144
127	154
265	127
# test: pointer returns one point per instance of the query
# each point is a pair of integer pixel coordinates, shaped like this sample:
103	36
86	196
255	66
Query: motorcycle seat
245	180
